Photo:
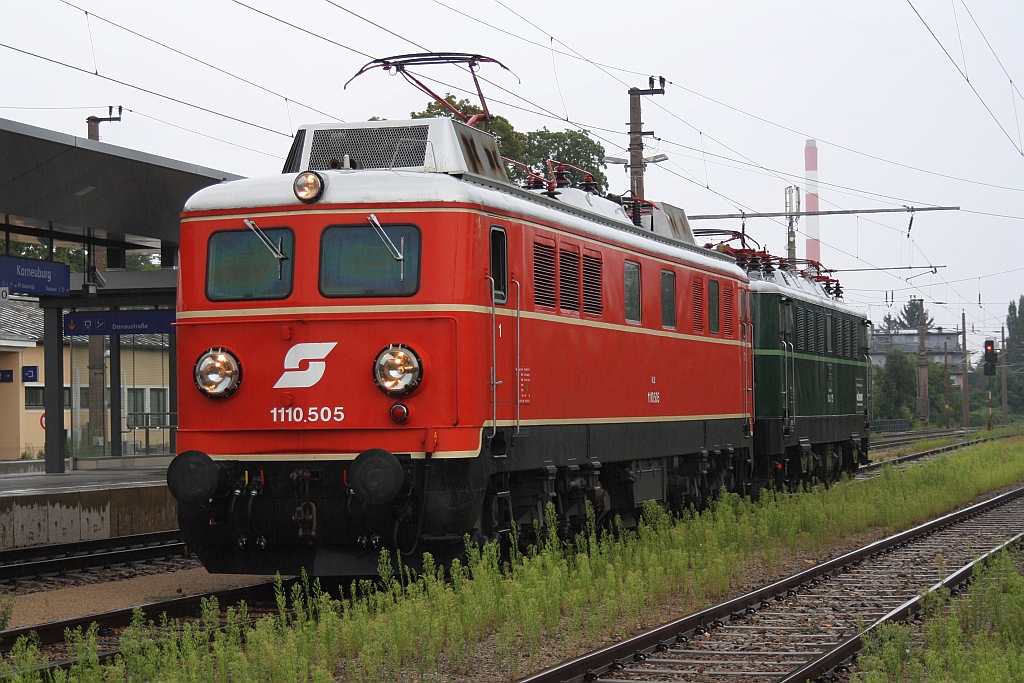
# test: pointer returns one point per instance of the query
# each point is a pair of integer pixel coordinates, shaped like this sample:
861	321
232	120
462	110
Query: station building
941	346
103	222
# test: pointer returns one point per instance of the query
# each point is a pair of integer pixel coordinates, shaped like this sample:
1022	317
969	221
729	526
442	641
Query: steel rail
48	559
53	632
591	666
829	660
932	451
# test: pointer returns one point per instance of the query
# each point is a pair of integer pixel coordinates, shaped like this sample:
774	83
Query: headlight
309	186
397	370
218	373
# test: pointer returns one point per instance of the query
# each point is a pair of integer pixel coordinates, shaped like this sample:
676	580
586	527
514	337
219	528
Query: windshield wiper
275	250
396	253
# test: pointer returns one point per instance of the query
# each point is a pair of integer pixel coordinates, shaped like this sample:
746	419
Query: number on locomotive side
654	397
311	414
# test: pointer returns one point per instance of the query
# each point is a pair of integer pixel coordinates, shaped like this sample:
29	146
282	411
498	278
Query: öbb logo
315	353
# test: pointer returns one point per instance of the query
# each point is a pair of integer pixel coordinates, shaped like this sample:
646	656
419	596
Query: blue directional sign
29	373
6	375
118	322
29	276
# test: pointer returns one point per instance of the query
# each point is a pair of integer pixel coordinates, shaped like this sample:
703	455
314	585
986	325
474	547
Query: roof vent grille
376	147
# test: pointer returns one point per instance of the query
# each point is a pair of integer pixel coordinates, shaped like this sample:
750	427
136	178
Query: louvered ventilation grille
800	329
698	305
544	275
592	304
385	147
849	338
821	333
294	160
727	311
569	280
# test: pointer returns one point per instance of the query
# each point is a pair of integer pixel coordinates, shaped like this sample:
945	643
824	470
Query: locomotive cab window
499	264
362	261
632	291
240	265
713	316
668	299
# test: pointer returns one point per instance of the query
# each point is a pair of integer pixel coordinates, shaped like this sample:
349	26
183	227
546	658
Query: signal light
990	357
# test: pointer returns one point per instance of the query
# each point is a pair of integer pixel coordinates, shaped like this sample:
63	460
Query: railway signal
991	357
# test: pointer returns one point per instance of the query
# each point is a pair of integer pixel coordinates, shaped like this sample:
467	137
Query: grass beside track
978	638
570	596
936	442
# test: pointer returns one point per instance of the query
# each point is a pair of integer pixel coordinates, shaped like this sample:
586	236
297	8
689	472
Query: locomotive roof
797	287
443	179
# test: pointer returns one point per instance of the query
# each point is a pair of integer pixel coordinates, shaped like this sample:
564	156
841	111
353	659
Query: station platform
83	505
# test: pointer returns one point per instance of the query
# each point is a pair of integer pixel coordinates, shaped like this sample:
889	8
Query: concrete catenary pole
965	389
945	376
812	250
1002	363
922	365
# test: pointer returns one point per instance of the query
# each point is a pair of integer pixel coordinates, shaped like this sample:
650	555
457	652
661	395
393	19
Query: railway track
806	626
902	439
50	637
869	470
34	561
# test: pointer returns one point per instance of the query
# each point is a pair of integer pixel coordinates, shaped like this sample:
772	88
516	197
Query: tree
1015	334
938	381
535	148
895	390
569	146
907	318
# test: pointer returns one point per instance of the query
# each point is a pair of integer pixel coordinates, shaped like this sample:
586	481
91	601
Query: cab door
505	301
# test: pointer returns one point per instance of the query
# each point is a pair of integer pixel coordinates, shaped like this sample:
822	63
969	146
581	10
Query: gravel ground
51	582
64	603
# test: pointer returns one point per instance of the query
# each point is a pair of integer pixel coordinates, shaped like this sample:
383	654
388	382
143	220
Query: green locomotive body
810	377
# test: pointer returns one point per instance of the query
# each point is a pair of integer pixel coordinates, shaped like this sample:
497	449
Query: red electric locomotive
391	345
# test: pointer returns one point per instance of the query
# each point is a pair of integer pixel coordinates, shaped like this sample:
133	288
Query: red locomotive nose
399	413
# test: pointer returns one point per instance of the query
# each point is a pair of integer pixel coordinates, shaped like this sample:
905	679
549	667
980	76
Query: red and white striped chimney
812	250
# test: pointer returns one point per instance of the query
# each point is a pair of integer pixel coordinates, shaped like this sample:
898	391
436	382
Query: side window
543	274
713	317
499	264
829	334
698	304
668	299
569	279
592	297
631	289
33	397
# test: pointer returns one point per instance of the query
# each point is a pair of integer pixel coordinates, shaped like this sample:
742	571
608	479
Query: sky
911	103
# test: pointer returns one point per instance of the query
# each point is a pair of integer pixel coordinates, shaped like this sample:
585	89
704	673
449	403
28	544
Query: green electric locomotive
810	374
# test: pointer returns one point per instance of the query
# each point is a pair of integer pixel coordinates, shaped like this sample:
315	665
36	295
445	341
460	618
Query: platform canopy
54	181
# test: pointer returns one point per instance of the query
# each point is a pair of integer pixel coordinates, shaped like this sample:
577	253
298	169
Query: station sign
29	373
6	376
40	278
118	322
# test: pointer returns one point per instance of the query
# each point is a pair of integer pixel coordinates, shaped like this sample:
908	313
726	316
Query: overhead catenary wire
734	108
1016	146
190	57
144	90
